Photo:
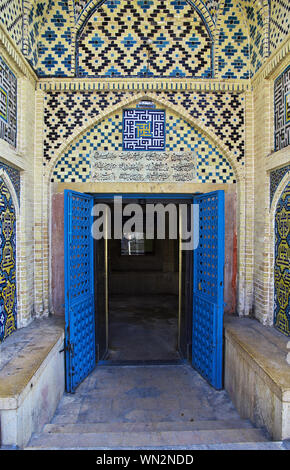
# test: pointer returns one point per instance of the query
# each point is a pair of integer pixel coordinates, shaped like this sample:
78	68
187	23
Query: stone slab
266	348
28	350
257	374
31	380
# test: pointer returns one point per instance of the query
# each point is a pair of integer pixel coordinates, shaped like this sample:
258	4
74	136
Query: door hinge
69	347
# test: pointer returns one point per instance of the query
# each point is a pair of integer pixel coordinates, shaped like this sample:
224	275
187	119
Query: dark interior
143	297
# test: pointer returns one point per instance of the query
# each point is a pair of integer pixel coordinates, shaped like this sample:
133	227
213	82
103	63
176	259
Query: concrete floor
146	394
148	407
143	328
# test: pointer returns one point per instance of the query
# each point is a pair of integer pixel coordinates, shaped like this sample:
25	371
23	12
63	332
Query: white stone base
23	414
257	375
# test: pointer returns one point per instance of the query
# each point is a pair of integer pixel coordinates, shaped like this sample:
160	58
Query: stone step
279	445
112	440
145	427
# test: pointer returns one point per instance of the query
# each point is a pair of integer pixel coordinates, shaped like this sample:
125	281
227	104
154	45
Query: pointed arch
4	175
195	123
148	49
271	244
9	248
92	5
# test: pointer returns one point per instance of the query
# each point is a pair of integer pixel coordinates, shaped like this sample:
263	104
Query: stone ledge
31	379
257	375
23	356
267	350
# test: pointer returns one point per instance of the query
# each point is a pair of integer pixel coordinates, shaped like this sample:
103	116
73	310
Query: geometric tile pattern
282	109
282	263
36	14
276	177
232	48
79	5
143	129
114	41
8	104
279	22
213	7
14	176
65	111
254	14
11	16
8	307
54	41
98	156
222	113
46	33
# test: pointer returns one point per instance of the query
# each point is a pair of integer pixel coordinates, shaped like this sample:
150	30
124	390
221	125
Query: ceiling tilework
11	14
279	22
246	31
145	38
232	48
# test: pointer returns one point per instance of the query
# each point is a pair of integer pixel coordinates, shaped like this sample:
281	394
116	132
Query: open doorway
200	284
143	298
144	281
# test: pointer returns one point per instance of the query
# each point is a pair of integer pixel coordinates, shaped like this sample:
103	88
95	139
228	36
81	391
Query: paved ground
146	394
143	328
148	407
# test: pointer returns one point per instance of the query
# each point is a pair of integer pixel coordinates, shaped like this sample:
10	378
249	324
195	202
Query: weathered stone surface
31	379
23	353
257	374
145	406
143	166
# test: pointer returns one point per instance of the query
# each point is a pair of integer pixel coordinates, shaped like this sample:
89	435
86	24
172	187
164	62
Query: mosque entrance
148	293
143	293
143	290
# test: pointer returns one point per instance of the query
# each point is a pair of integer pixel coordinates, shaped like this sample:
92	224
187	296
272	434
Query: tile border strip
138	84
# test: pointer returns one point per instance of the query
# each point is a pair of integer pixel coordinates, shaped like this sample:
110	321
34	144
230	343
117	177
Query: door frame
156	197
187	198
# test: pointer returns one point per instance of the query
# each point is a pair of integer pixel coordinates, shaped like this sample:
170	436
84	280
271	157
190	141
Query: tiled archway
282	264
8	297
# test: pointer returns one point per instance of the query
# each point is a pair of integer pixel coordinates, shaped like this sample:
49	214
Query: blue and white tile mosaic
276	177
279	22
282	109
282	264
180	37
8	297
8	104
221	113
98	156
11	15
143	129
144	38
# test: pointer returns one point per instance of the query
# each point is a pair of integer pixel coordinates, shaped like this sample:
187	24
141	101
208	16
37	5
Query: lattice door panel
79	287
208	288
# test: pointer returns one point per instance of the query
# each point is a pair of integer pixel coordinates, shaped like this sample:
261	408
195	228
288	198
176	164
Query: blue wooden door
79	289
208	284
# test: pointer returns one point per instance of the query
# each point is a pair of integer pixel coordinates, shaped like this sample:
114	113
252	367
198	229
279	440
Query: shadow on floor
143	328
